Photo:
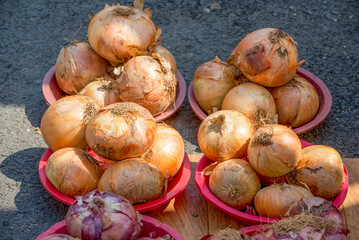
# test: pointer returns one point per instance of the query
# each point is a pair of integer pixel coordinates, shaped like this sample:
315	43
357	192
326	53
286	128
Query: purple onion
59	237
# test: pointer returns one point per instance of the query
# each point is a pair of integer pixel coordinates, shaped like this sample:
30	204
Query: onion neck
90	111
264	138
217	123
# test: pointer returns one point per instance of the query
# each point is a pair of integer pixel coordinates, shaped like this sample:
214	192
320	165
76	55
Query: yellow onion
211	82
167	151
267	181
149	82
224	135
297	102
72	171
77	65
274	150
104	91
118	33
252	100
267	57
165	53
64	122
134	179
235	183
275	200
121	130
321	170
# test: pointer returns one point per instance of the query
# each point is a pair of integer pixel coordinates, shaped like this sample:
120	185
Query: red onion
59	237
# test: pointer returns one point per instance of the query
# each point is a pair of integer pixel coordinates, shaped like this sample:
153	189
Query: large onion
268	57
64	122
121	130
224	135
165	53
235	183
134	179
274	150
77	65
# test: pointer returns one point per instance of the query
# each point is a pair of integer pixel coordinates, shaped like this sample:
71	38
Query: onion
288	178
235	183
297	102
64	122
167	151
119	33
274	150
134	179
149	82
59	237
268	57
275	200
77	65
252	100
211	82
321	170
224	135
229	234
105	216
165	53
72	171
121	130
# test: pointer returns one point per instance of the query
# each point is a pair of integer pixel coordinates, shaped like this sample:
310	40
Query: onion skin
225	135
321	170
267	57
134	179
64	122
121	130
165	53
235	183
77	65
59	237
297	102
274	150
73	172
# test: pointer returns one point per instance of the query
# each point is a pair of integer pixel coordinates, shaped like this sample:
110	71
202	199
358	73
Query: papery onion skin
134	179
297	102
274	150
64	122
165	53
267	57
119	33
77	65
167	151
59	237
224	135
121	130
72	171
211	82
235	183
321	170
229	234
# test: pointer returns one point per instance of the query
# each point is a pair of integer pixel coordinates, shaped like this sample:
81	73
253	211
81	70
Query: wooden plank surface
193	217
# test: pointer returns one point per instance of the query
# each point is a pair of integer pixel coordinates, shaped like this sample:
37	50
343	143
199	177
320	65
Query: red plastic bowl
151	228
52	92
248	219
325	102
174	188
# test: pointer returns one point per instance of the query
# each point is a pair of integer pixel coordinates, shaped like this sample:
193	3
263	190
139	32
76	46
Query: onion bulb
235	183
252	100
59	236
77	65
72	171
274	150
211	82
297	102
267	57
321	170
224	135
165	53
121	130
275	200
167	151
64	122
229	234
134	179
119	33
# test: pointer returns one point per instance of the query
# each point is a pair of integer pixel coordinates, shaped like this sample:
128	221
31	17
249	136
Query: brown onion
287	178
229	234
72	171
267	57
121	130
59	237
165	53
134	179
77	65
224	135
274	150
297	102
64	122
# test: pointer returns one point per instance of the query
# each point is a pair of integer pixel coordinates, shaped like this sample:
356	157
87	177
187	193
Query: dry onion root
229	234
